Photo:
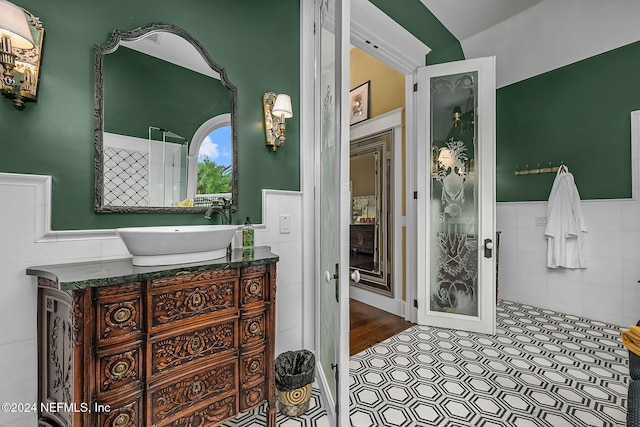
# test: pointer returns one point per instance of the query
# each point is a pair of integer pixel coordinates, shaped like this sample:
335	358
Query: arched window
211	160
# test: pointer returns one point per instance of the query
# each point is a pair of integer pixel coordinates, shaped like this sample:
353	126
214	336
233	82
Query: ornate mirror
165	124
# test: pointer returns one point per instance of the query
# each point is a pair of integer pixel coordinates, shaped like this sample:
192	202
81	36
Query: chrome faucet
221	206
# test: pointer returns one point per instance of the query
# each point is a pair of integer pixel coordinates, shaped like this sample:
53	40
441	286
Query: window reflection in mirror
215	164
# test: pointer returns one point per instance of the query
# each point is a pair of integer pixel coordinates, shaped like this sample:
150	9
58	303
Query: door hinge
415	87
415	303
415	195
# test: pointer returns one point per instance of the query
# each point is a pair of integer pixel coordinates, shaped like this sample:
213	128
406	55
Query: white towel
565	224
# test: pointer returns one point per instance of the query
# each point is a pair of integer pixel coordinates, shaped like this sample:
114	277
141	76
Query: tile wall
607	290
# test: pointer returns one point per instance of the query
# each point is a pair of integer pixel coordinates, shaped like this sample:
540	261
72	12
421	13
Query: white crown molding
377	34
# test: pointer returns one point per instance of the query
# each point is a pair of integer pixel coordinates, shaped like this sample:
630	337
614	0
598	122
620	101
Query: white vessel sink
168	245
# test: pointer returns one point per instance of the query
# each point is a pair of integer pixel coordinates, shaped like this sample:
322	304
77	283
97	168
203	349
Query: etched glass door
456	273
332	206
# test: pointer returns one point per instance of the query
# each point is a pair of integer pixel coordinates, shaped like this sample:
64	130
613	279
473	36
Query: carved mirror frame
109	47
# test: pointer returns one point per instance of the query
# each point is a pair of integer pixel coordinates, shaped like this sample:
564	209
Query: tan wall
386	94
363	178
387	85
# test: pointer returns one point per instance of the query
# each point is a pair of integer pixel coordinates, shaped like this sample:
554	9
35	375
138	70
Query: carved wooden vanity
125	346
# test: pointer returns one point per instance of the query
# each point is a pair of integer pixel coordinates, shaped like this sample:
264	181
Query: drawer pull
195	343
196	387
254	289
120	368
254	327
121	420
122	315
254	367
196	299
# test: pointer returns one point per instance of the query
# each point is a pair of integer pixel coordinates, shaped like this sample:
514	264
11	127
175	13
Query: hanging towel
631	339
565	224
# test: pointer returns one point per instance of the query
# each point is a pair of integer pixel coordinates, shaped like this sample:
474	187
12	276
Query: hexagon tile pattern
541	369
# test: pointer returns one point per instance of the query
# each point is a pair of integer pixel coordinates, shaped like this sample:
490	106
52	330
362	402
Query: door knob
328	277
355	276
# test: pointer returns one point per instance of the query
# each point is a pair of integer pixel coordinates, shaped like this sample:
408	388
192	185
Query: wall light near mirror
277	108
20	50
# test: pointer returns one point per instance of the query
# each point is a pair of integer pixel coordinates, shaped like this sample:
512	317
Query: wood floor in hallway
370	325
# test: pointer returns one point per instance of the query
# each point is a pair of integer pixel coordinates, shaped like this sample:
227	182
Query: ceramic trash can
295	372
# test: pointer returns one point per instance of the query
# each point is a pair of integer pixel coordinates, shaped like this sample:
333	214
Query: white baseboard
391	305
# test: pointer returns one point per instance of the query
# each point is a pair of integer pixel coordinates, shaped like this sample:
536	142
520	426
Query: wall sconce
20	49
277	108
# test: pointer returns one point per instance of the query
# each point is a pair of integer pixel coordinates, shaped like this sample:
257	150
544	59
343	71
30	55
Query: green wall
578	114
55	135
419	21
142	91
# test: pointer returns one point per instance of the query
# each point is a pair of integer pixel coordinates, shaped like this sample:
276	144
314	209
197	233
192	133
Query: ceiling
172	48
466	18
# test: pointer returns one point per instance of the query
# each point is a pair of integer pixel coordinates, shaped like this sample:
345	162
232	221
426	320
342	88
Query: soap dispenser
247	238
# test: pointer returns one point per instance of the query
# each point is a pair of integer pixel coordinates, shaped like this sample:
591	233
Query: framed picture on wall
359	103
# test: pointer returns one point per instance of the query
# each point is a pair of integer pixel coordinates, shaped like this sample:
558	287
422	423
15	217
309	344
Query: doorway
376	243
370	231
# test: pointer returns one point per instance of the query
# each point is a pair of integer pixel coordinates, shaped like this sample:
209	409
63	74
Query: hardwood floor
370	325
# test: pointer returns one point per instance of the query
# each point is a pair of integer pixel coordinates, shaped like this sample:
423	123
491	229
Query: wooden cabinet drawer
191	345
192	278
253	269
117	370
213	414
170	399
251	397
119	313
126	413
253	290
171	305
253	327
252	367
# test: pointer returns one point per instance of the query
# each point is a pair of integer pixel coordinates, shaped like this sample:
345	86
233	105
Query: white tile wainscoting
26	239
607	290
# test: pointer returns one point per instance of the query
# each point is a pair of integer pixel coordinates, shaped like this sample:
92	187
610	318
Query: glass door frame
484	322
336	315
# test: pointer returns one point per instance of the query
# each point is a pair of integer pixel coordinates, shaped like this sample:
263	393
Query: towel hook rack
538	169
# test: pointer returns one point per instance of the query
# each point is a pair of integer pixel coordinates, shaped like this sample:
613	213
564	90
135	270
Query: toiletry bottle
247	239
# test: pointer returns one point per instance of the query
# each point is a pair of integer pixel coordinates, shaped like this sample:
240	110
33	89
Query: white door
332	205
456	195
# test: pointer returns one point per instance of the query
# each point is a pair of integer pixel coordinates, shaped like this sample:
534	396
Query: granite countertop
101	273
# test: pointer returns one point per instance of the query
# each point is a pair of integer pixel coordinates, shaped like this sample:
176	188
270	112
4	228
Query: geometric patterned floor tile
541	369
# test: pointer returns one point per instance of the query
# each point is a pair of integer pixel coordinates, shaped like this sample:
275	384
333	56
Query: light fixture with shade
277	108
20	47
